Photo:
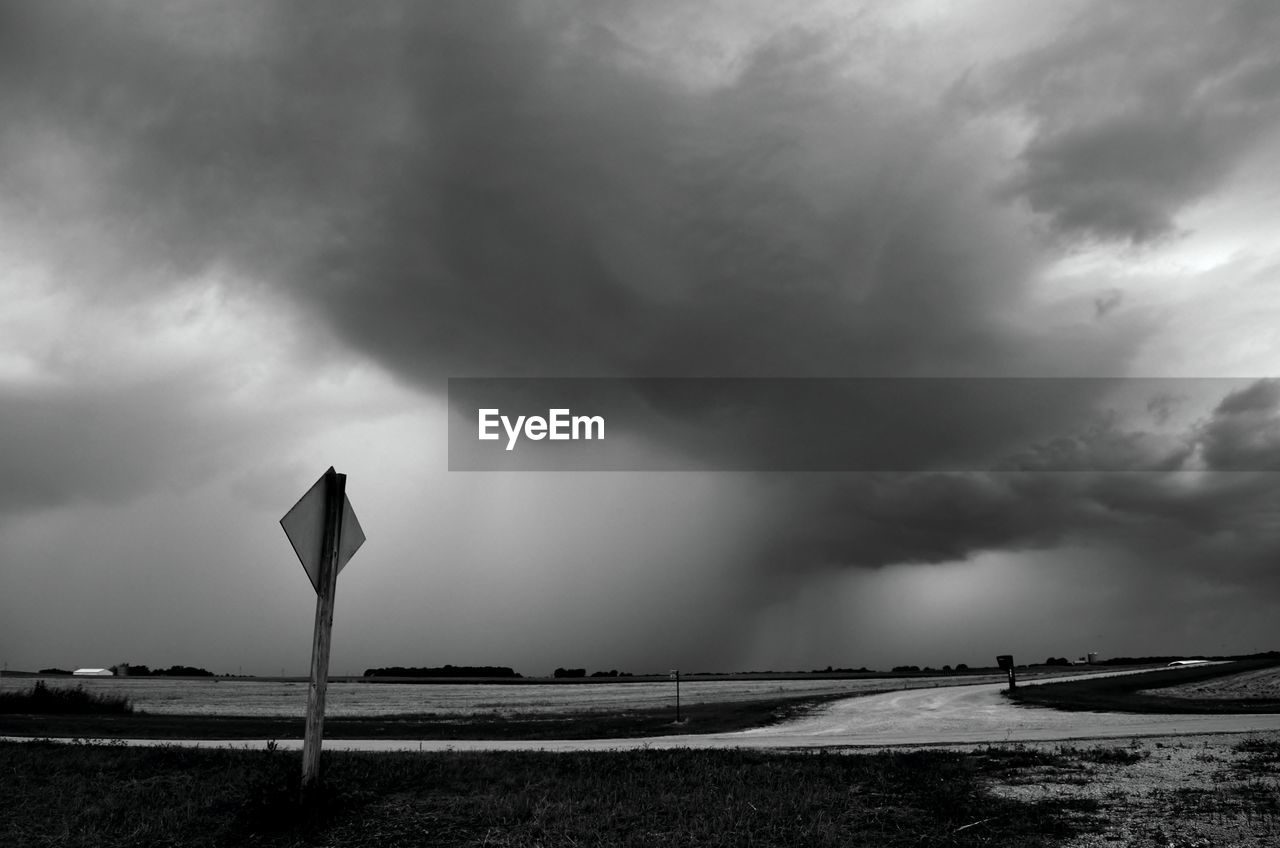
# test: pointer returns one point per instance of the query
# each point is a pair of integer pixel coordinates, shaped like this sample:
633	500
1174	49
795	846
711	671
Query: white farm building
93	672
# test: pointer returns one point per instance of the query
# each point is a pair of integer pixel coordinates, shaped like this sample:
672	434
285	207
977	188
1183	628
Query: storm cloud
1136	112
421	191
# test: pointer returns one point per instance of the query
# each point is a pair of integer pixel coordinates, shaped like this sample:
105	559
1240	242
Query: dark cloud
458	189
1124	178
1178	521
1138	111
464	188
1221	528
580	219
1243	433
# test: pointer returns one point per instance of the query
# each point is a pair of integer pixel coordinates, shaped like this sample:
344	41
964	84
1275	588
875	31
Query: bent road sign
304	525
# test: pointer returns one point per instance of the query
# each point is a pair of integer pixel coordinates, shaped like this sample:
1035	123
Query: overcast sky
242	242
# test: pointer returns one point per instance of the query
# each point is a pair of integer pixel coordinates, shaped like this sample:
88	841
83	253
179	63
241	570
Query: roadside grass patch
109	796
41	699
1103	755
1064	765
1263	756
1255	798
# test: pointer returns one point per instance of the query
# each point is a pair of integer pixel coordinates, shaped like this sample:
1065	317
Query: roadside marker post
675	675
324	532
1005	661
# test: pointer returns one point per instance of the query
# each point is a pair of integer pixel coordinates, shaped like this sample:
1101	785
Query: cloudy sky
241	242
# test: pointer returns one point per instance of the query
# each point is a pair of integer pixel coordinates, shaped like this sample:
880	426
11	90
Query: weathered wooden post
324	532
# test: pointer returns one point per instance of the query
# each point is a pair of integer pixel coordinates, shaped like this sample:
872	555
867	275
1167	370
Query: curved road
952	715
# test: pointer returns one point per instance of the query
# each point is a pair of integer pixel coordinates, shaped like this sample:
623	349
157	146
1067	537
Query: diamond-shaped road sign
304	525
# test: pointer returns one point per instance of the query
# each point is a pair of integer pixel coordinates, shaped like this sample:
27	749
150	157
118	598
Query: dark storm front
835	424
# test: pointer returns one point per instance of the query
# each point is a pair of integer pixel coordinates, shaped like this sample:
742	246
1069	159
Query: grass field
1125	693
696	718
106	796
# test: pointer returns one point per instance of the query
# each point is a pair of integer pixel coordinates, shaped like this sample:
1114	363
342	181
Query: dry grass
1172	792
41	699
103	796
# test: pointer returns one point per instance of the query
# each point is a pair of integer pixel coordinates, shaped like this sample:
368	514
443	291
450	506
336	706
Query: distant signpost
325	534
1005	661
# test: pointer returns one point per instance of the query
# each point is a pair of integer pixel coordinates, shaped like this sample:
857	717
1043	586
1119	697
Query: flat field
1181	792
1259	684
263	698
1240	687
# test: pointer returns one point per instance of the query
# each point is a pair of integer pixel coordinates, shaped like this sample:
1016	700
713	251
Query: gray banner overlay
863	424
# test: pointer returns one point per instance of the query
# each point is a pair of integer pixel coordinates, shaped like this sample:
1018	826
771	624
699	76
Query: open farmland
1141	692
1261	683
269	698
958	714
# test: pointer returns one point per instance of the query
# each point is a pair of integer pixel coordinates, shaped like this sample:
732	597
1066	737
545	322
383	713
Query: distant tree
443	671
946	668
962	667
53	671
182	671
570	672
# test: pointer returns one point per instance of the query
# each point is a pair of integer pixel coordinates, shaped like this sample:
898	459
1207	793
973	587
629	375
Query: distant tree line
443	671
831	670
129	670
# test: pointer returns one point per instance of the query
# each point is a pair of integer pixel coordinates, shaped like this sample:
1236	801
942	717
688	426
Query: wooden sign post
1005	661
324	533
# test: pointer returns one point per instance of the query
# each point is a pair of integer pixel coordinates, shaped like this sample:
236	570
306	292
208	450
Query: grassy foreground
1123	694
106	796
697	718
